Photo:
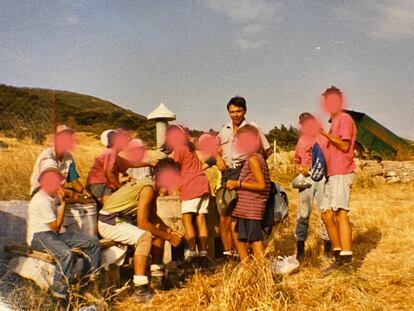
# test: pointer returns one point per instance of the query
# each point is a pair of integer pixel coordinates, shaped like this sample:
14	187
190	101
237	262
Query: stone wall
390	171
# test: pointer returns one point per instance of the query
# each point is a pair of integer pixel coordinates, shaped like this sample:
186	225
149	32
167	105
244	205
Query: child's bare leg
258	249
202	231
242	249
190	235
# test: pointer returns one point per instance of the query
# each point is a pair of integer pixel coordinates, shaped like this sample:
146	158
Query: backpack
318	166
276	208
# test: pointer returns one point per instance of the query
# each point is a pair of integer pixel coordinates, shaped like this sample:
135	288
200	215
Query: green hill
30	112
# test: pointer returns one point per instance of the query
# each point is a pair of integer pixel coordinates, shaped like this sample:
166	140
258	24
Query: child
310	129
253	189
194	195
341	167
45	231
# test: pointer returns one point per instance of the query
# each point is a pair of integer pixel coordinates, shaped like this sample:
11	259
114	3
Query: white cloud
69	19
384	19
253	17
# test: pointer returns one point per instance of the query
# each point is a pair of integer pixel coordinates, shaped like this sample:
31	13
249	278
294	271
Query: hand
232	184
175	238
221	164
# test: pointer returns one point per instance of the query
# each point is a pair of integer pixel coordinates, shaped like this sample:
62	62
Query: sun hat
63	128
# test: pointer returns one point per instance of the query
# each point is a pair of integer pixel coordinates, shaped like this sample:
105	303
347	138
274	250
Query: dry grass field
382	217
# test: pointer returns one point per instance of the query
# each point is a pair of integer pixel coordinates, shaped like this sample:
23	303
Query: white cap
48	165
105	137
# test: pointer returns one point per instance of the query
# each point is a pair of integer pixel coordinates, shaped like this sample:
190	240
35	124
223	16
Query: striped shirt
252	204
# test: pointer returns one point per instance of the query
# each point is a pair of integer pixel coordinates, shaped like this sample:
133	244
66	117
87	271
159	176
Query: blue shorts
249	230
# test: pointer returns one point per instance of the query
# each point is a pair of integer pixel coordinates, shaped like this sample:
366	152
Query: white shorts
122	232
197	205
338	192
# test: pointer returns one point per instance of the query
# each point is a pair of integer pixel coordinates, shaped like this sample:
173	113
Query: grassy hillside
29	112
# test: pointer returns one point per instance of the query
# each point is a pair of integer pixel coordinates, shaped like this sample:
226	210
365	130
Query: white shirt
42	211
231	155
63	167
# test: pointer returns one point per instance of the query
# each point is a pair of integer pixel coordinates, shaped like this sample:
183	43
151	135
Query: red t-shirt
303	150
339	162
107	161
194	183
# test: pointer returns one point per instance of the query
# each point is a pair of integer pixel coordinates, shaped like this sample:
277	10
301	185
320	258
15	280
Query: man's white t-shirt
42	211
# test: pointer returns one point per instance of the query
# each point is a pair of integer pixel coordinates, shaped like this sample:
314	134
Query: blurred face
175	137
136	154
236	114
121	140
247	142
332	104
65	142
168	179
209	145
50	182
311	127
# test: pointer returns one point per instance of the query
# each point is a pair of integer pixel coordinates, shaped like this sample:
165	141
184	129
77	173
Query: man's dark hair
333	90
238	102
305	116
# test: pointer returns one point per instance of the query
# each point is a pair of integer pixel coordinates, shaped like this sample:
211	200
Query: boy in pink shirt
310	130
194	195
341	166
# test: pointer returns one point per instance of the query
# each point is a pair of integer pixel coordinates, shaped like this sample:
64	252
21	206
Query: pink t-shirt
105	162
339	162
194	183
303	150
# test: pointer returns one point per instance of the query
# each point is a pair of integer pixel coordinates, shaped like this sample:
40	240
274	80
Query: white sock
227	253
345	253
203	253
140	280
337	249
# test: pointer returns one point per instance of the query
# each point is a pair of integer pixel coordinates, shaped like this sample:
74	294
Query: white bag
299	182
285	265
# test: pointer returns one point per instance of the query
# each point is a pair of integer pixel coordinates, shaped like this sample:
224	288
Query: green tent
377	139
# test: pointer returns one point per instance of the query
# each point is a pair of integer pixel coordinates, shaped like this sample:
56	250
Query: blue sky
195	55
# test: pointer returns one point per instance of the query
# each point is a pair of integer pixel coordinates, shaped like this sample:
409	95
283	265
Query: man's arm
56	225
144	214
338	142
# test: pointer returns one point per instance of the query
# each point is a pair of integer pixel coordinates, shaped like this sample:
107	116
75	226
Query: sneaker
327	249
337	254
345	259
300	250
143	293
285	265
342	263
203	263
190	264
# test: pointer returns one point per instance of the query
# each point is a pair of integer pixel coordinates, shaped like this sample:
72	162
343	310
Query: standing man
341	167
310	135
230	160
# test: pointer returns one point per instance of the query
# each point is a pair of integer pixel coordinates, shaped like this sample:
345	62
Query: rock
393	180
